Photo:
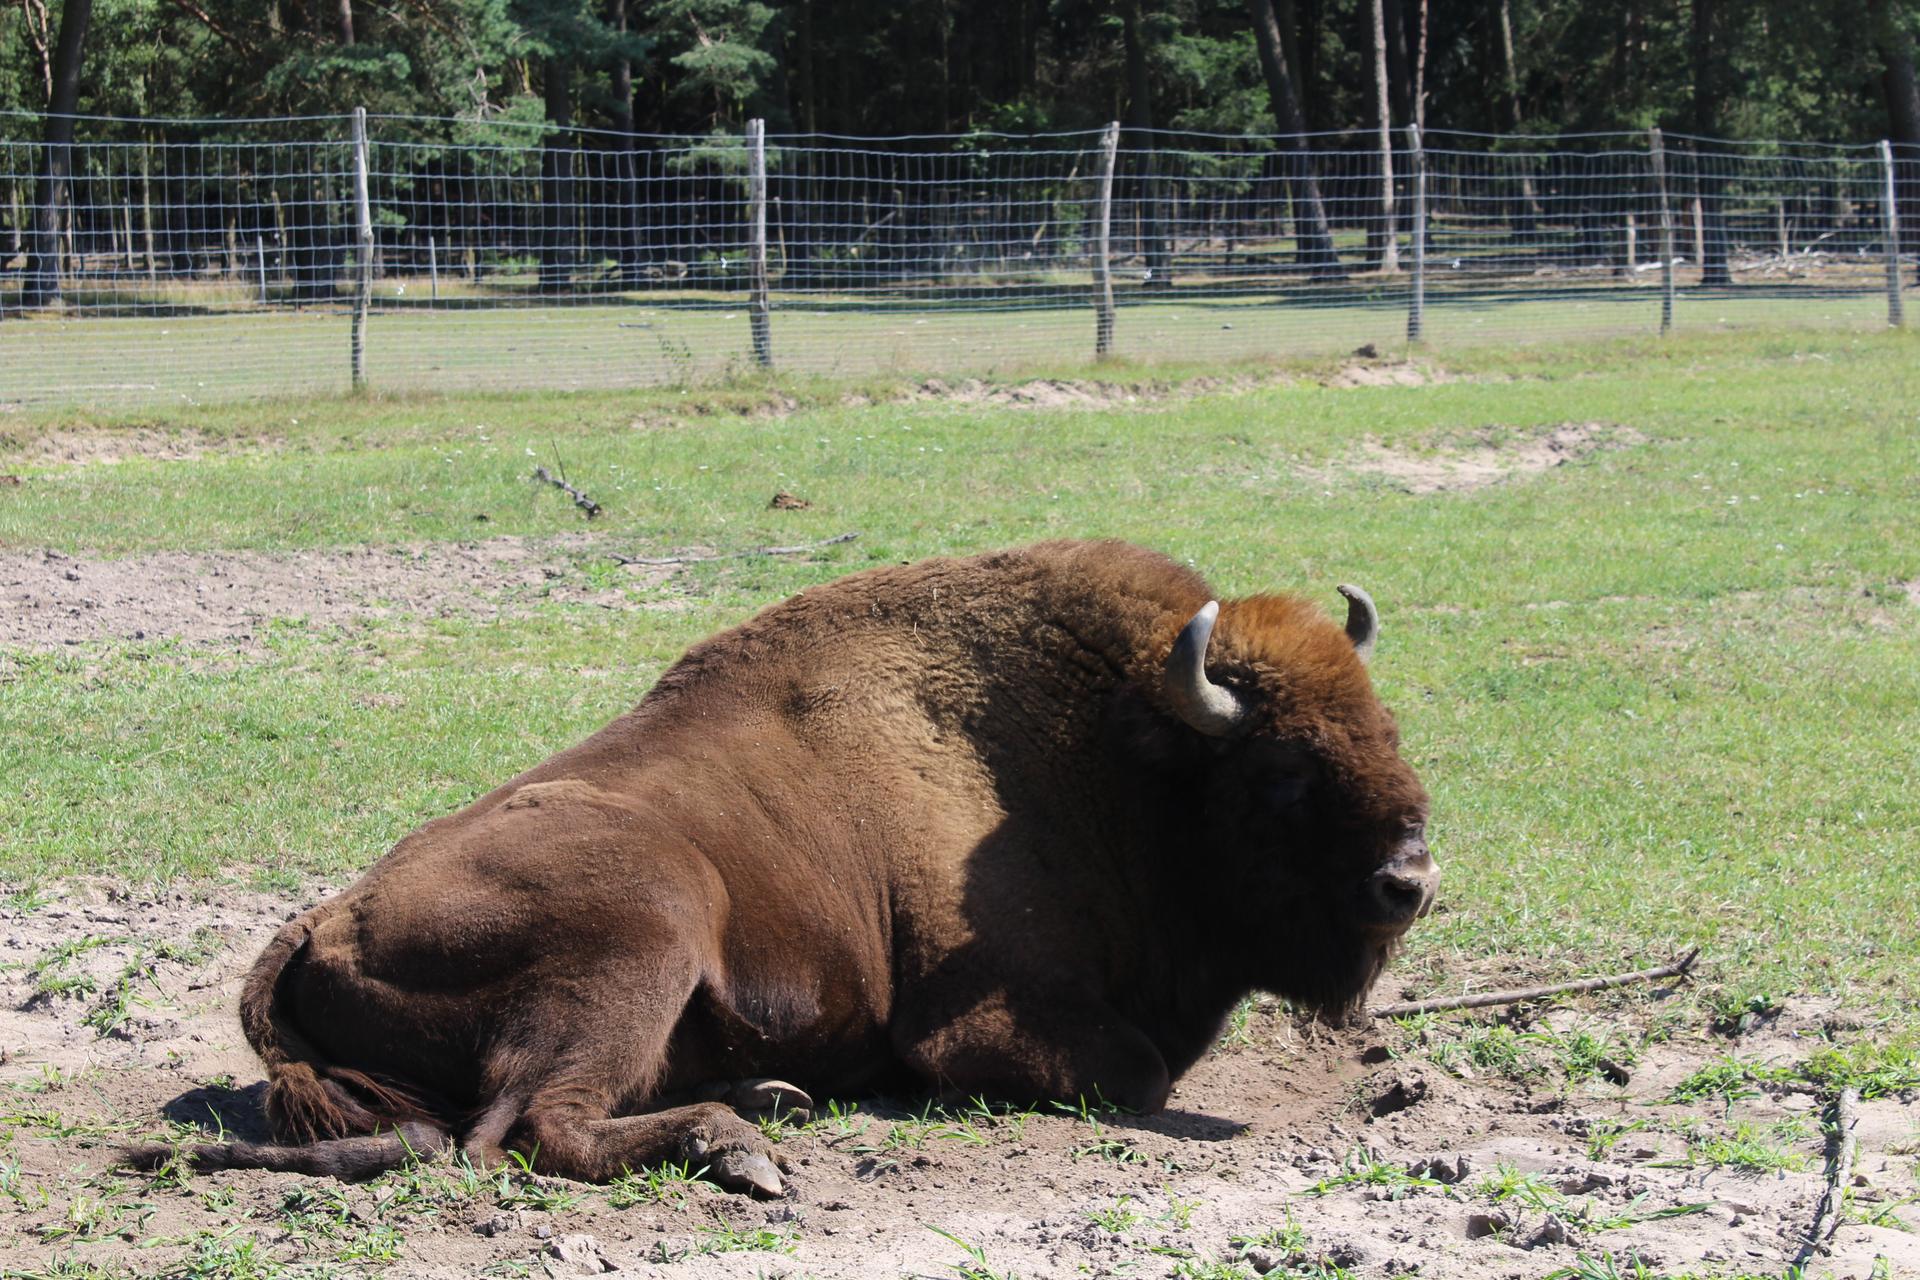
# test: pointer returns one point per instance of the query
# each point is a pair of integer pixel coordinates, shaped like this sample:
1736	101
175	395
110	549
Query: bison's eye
1284	795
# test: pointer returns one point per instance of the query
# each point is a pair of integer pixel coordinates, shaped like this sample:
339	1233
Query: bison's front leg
1056	1046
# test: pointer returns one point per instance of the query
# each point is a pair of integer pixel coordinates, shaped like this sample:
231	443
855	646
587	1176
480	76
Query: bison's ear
1363	620
1142	733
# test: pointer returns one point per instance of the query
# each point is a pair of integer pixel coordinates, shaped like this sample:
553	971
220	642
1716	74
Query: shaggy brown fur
935	819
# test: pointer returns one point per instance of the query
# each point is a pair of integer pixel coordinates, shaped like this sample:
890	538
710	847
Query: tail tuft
350	1159
309	1102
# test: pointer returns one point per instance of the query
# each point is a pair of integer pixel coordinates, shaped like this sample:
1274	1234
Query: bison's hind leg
610	1038
569	1141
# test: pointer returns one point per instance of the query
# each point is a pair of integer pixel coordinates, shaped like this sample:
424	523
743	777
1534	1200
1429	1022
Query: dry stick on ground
580	499
1677	968
1846	1118
736	555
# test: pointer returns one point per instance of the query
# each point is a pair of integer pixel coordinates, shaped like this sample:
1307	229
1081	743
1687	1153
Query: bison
1023	825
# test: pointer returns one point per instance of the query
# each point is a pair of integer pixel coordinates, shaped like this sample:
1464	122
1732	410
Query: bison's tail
308	1098
349	1158
329	1119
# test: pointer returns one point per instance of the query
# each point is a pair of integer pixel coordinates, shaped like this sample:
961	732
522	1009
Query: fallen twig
1675	969
797	549
1826	1220
580	499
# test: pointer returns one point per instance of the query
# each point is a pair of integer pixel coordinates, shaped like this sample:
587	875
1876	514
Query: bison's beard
1331	977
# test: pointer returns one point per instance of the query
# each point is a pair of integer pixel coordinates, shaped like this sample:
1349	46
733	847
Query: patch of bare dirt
1285	1150
77	447
49	599
1366	372
1487	458
1912	590
1041	393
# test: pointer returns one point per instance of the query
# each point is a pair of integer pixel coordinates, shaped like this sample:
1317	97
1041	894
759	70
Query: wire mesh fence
156	260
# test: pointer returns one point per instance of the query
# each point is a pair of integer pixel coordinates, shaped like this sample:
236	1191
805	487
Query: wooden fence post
1417	297
1102	274
1890	211
1659	154
260	260
363	285
433	270
759	307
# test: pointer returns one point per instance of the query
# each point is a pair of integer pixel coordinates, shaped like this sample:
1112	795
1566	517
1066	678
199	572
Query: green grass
1650	715
187	361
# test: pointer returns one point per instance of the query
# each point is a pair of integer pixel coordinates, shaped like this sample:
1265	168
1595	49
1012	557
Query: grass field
192	359
1664	687
1663	694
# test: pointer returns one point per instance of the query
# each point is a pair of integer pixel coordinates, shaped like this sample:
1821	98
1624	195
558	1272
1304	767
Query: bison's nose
1402	891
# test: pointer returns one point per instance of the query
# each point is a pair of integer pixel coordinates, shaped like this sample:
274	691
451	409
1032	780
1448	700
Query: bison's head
1321	823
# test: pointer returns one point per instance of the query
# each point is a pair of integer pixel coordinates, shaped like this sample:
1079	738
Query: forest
1838	70
567	145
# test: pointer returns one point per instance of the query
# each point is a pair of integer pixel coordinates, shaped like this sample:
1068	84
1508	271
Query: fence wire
174	261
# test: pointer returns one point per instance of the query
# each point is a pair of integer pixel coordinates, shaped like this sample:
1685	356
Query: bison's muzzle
1402	891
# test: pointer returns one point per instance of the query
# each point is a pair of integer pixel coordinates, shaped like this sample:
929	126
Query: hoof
748	1171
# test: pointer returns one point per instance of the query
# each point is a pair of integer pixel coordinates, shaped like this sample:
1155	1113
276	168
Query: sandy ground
49	599
1489	457
117	1010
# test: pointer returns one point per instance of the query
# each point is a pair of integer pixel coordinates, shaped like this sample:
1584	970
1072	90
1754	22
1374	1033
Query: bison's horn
1363	620
1197	700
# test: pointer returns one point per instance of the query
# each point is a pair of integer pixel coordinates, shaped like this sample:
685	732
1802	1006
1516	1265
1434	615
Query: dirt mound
1042	393
1488	457
1059	393
1467	1149
1385	373
81	447
49	599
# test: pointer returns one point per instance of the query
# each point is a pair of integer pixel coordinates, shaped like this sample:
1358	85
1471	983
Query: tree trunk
1420	72
625	213
42	284
1383	235
346	23
556	180
1527	215
1391	38
1706	117
1140	142
1312	233
1903	113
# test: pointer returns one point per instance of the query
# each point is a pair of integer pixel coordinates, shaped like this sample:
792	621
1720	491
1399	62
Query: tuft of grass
1737	1010
1589	1054
1604	1135
1362	1168
1107	1147
974	1265
1728	1080
660	1184
1749	1149
1877	1069
1119	1217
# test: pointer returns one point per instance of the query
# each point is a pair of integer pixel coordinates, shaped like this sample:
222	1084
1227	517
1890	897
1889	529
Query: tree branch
580	499
1676	969
213	24
1826	1220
